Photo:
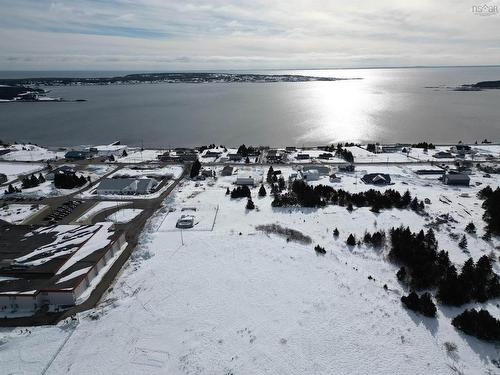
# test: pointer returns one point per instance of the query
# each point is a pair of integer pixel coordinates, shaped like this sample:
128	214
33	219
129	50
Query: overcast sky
245	34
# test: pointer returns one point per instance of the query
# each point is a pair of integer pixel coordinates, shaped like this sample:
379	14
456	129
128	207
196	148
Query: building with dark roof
376	179
459	179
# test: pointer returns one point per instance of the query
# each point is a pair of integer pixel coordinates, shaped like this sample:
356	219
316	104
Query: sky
246	34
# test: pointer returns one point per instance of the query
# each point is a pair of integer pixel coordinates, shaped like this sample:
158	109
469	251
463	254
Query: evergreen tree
124	153
41	179
270	174
319	250
227	191
470	228
351	240
247	160
463	243
479	324
427	306
111	158
250	204
335	232
262	191
195	169
11	189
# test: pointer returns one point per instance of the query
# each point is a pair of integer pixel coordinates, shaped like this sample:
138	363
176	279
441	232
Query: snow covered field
27	152
234	300
124	215
12	170
138	156
17	213
175	171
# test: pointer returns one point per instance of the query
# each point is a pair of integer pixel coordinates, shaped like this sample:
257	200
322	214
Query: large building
53	267
126	186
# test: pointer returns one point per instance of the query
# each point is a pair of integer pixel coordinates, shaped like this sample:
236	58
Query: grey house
458	179
126	186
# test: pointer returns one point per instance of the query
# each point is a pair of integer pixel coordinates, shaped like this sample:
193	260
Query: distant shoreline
166	78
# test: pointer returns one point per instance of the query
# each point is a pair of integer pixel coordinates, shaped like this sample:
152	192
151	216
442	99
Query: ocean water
386	105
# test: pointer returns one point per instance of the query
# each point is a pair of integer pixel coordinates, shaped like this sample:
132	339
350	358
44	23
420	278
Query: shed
459	179
227	171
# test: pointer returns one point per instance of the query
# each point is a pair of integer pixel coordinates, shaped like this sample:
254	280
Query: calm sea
386	105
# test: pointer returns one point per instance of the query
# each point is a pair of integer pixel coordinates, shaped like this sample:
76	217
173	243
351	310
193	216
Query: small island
484	85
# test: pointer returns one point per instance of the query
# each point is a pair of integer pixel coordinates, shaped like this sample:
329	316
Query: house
346	168
325	155
125	186
207	173
234	157
323	170
302	156
227	171
77	155
211	154
109	150
64	169
274	155
334	178
249	181
391	148
443	155
310	175
458	179
188	157
461	149
376	179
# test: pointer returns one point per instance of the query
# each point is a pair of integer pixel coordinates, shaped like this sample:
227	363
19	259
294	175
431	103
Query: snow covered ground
124	215
12	170
98	208
234	300
27	152
17	213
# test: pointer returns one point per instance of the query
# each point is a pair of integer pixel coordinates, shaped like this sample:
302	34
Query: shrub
479	324
470	228
241	192
195	169
422	305
262	191
250	204
319	250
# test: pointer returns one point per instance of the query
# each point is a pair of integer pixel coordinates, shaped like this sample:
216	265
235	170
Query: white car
186	221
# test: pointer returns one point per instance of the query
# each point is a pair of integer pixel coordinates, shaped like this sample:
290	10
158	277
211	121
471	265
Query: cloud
174	35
